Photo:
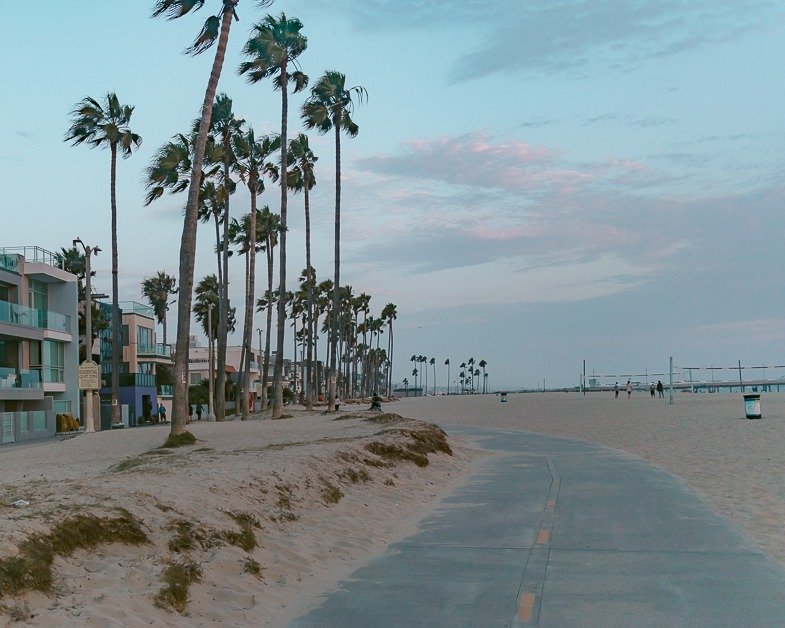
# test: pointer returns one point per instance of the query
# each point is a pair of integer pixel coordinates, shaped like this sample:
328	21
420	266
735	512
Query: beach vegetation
179	440
354	475
331	494
252	567
31	568
177	577
245	538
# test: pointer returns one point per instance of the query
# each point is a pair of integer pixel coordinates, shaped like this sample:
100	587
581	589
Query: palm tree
462	375
270	227
157	290
482	364
253	167
273	46
389	314
470	364
301	178
225	128
329	107
433	364
216	28
206	297
447	364
108	125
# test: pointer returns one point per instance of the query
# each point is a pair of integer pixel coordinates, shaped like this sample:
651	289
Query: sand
736	464
278	472
321	502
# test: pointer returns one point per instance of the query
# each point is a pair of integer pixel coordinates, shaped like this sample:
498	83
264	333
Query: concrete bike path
563	533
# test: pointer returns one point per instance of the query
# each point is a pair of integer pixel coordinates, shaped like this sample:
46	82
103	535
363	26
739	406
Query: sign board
88	375
259	389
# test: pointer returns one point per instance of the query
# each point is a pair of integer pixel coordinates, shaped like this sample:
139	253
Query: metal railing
29	317
19	378
34	254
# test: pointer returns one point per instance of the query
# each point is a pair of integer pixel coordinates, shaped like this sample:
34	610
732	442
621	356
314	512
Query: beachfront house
39	343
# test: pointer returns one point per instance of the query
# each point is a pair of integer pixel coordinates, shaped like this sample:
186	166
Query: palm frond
206	37
175	8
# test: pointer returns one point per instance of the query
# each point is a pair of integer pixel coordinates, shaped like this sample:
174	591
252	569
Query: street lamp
89	251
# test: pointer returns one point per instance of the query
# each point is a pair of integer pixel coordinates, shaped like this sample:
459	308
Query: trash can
752	406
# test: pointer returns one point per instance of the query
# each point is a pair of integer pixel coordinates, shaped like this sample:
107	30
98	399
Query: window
195	378
144	340
37	295
53	362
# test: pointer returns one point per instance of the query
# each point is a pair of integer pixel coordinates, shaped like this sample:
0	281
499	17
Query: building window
53	362
144	340
37	295
195	378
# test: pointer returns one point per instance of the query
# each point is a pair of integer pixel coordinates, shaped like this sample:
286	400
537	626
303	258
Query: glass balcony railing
19	378
27	316
133	379
158	349
9	261
133	307
34	254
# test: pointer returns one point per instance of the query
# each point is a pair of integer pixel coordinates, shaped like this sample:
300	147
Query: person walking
629	389
162	413
660	389
198	411
651	390
616	390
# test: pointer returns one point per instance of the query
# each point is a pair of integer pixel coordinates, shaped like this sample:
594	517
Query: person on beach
629	389
162	413
660	389
616	390
337	403
651	390
198	411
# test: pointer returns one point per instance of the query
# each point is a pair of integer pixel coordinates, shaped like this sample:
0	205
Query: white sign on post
88	374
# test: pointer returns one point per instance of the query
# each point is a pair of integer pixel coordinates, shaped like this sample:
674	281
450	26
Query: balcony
20	378
28	317
131	379
133	307
157	350
33	254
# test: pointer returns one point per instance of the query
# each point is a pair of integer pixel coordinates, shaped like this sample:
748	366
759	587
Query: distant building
39	343
141	354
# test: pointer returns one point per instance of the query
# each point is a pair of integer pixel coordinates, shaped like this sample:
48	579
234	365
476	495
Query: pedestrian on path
198	411
651	390
162	413
660	389
616	390
629	389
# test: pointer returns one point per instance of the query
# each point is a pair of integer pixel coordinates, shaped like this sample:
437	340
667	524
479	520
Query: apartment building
39	343
140	356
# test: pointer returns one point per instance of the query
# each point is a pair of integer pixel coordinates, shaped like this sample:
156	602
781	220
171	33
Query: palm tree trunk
309	287
269	326
188	239
337	277
249	301
223	311
390	350
278	369
117	326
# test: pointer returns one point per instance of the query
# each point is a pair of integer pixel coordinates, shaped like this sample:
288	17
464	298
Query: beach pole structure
670	392
741	381
89	251
584	378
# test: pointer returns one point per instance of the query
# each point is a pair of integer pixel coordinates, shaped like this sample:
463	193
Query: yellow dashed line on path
526	607
543	536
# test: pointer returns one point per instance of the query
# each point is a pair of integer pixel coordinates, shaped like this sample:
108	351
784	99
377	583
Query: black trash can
752	406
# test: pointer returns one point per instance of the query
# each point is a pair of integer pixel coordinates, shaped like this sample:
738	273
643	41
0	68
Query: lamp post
210	416
89	251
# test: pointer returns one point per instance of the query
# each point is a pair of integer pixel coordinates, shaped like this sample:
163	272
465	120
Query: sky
535	183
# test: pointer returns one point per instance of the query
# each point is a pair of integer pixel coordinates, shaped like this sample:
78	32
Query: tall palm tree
157	290
433	364
225	128
252	155
271	228
470	365
216	28
330	106
276	43
102	125
447	364
482	364
389	314
302	179
462	367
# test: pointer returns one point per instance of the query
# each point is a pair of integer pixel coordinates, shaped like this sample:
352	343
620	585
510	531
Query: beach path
559	532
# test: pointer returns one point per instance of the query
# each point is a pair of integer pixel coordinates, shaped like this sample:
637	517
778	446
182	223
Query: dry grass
177	578
31	568
245	539
331	494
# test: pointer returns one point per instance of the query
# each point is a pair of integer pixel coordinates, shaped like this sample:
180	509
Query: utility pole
89	251
670	398
584	378
741	381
